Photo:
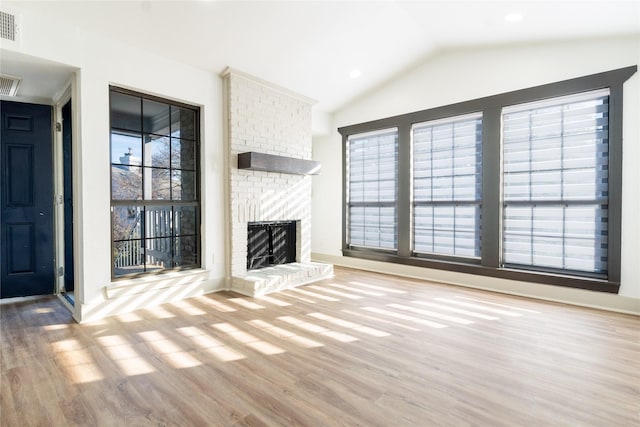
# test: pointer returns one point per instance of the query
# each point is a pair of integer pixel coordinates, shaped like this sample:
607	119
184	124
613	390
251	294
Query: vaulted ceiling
312	47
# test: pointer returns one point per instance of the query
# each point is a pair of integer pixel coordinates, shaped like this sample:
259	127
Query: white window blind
372	167
447	186
555	183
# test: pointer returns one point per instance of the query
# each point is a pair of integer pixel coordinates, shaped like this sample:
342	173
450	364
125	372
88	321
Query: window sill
587	283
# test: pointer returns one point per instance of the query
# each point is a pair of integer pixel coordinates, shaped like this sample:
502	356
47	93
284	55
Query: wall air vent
8	26
9	85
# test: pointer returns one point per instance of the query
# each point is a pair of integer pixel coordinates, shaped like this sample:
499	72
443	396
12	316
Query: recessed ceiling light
354	74
513	17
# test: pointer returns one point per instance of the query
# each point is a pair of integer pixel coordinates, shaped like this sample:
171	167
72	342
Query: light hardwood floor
361	349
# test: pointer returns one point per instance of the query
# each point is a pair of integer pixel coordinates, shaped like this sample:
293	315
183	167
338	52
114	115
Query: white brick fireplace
264	118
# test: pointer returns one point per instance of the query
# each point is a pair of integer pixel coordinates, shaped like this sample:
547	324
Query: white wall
461	75
101	63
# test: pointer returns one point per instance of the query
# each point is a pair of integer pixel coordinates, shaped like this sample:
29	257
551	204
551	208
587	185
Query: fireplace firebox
270	243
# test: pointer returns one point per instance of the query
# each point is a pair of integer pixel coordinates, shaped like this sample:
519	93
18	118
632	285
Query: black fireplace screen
270	243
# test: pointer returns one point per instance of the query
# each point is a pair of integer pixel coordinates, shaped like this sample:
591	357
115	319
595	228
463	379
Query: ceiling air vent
7	26
9	85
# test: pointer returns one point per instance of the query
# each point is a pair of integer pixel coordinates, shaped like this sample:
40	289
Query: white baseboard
573	296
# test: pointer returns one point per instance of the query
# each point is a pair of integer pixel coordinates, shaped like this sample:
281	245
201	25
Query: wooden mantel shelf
272	163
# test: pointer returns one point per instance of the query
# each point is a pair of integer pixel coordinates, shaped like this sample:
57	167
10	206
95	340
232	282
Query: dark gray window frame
160	203
491	108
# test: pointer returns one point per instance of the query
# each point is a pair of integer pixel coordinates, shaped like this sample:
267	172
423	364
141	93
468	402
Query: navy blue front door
26	233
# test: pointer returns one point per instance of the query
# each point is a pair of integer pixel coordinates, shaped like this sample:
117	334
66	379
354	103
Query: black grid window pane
159	220
183	154
127	224
156	151
183	123
155	117
555	183
447	186
126	112
154	194
373	189
126	182
126	148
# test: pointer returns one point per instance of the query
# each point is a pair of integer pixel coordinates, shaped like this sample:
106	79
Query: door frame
67	93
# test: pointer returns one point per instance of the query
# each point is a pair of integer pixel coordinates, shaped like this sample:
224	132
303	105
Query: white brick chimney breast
264	118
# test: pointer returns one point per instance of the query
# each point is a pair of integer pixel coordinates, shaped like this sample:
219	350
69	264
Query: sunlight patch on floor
440	316
181	360
360	291
479	307
314	295
288	294
456	310
124	355
350	325
206	342
404	317
247	339
189	308
79	366
273	301
510	307
128	317
379	288
317	329
246	303
216	305
284	334
160	313
333	292
55	327
380	320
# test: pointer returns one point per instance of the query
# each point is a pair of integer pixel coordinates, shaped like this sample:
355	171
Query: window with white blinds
447	186
372	168
555	183
524	185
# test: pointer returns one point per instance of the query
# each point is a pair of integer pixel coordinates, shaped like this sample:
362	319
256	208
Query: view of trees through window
155	210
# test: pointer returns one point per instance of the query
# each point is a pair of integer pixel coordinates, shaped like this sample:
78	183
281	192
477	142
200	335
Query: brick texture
266	119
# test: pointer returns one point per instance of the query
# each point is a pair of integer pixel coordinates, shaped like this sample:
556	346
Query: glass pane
447	230
186	251
186	220
183	154
373	226
156	151
127	222
373	163
126	183
128	257
158	183
158	254
183	185
447	159
183	123
561	236
155	117
557	151
125	112
158	220
126	148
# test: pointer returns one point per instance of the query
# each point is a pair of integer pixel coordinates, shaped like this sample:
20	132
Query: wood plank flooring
361	349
